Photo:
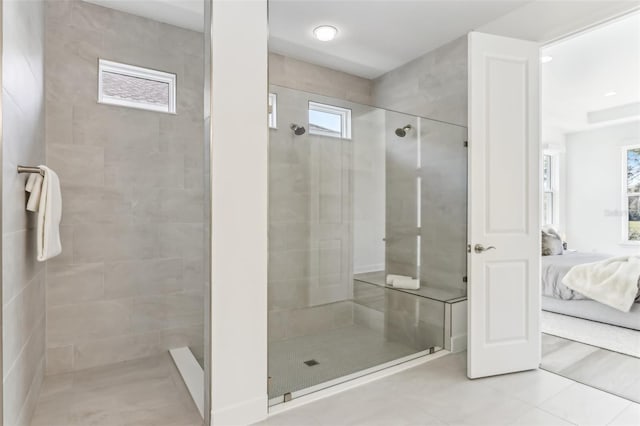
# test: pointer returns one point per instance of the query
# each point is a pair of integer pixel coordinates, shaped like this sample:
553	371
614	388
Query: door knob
479	248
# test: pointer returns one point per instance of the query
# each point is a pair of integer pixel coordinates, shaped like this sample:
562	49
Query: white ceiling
586	67
187	14
375	36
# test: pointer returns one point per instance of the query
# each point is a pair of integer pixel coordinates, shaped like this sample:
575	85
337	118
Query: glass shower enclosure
358	193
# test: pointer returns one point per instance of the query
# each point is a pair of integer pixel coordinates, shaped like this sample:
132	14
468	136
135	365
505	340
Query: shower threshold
192	374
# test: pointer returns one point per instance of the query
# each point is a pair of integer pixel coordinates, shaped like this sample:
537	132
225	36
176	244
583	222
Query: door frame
557	40
545	43
1	208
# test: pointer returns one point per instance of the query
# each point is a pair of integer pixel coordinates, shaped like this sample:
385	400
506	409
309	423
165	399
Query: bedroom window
631	159
136	87
549	201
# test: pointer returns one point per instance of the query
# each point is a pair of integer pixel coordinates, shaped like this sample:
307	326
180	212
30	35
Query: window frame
142	73
554	187
272	112
345	119
625	196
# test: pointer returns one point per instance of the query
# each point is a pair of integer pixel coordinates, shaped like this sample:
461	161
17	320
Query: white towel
34	186
31	181
392	277
613	282
49	216
406	283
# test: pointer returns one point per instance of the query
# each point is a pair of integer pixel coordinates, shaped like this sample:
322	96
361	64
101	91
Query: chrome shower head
298	130
402	132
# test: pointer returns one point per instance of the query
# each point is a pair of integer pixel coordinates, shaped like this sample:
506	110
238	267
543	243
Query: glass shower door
333	195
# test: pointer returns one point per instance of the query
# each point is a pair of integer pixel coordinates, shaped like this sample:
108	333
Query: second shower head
402	132
298	130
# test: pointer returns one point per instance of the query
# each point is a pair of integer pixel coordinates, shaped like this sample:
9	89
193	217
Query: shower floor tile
337	353
147	391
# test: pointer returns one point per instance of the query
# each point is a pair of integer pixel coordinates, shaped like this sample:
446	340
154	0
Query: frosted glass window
329	120
136	87
273	111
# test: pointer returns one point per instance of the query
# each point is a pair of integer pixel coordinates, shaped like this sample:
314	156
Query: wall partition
356	194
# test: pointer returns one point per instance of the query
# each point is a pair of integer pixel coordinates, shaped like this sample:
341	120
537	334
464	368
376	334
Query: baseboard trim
459	343
245	413
363	269
192	374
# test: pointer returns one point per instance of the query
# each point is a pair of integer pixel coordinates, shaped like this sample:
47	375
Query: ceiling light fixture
611	93
546	59
325	32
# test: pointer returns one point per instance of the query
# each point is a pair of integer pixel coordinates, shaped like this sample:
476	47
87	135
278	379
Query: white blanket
613	282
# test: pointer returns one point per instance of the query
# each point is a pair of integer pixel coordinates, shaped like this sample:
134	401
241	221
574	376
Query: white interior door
504	200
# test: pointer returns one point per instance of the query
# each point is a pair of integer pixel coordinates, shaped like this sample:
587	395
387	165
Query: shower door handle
479	248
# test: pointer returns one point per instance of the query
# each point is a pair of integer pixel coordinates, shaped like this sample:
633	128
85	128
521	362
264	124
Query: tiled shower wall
316	218
295	74
431	86
309	225
130	280
23	278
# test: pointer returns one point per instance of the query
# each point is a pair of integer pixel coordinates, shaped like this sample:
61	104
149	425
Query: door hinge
466	144
464	279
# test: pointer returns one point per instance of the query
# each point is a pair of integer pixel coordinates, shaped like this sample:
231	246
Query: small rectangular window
329	120
136	87
632	193
273	110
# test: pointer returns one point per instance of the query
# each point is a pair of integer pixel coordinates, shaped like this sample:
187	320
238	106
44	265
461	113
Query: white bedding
613	282
554	269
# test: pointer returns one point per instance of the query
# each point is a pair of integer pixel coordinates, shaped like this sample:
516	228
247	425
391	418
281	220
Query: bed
558	298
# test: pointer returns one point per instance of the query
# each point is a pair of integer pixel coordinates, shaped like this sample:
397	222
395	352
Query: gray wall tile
23	143
296	74
130	280
59	359
432	86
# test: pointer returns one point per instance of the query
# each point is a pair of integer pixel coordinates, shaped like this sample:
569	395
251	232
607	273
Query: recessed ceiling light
611	93
325	32
546	59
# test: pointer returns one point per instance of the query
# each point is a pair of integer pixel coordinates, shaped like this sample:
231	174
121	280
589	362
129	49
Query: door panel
504	199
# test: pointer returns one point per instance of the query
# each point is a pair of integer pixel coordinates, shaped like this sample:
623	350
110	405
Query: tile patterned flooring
439	393
144	392
339	352
609	371
150	392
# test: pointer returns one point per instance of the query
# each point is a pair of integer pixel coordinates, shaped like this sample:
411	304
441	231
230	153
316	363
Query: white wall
593	193
239	212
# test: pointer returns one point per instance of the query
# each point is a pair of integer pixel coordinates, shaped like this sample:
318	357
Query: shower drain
311	363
